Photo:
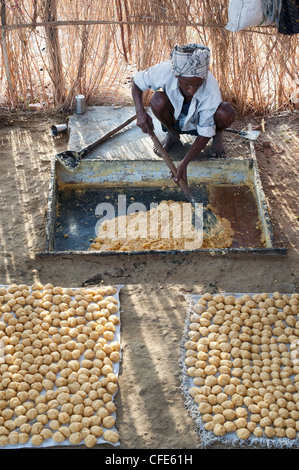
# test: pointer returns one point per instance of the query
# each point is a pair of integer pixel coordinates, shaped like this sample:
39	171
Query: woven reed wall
47	57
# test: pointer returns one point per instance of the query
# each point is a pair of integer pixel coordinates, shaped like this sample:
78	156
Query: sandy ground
150	405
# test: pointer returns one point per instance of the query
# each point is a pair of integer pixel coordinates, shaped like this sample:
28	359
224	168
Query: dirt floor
151	413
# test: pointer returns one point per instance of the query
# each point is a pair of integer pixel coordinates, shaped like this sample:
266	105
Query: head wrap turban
191	60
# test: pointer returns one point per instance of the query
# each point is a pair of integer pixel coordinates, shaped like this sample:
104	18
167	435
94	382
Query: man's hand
145	122
181	173
198	145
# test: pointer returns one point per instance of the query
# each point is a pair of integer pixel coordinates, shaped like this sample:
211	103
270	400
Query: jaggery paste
168	226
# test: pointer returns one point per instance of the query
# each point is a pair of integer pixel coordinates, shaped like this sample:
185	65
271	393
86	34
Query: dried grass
50	62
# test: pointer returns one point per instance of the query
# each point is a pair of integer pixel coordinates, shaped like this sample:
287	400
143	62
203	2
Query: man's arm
144	121
198	145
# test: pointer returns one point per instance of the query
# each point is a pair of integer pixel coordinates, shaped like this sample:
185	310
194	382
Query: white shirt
202	107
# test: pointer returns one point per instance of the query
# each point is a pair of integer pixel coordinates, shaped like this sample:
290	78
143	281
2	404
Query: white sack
245	14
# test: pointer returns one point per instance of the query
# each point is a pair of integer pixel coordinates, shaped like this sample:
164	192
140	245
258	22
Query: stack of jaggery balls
57	369
242	357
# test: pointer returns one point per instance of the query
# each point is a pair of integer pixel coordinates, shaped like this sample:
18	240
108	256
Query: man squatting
187	100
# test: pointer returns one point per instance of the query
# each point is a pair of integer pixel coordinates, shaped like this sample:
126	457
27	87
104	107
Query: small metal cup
80	106
57	129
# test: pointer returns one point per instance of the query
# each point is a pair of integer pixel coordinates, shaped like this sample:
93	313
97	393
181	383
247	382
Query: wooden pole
4	49
59	23
54	50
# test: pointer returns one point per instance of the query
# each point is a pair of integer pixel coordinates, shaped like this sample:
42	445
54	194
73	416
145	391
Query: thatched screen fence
52	50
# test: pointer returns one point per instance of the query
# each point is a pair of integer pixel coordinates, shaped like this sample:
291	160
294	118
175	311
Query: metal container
57	129
80	106
228	184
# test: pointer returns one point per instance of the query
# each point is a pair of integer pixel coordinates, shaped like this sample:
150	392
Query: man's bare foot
217	148
168	141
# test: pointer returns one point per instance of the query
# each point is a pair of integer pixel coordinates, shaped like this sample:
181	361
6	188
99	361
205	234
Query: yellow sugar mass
168	226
